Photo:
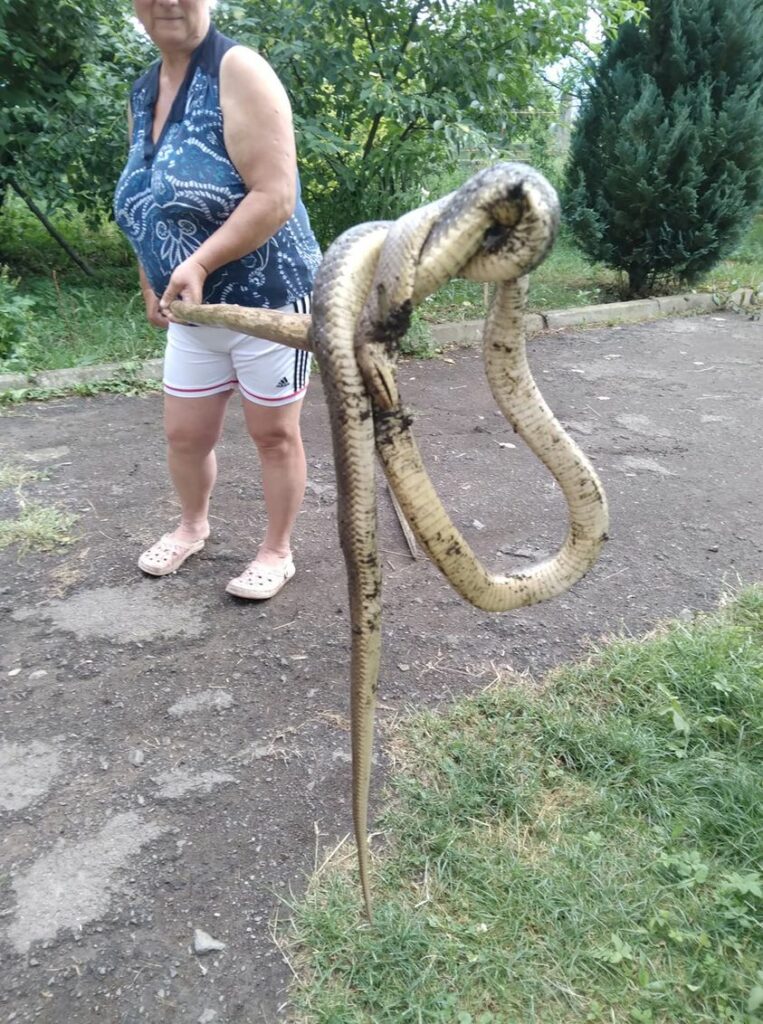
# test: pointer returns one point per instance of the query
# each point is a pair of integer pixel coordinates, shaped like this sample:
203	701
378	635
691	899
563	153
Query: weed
17	476
418	341
37	528
122	385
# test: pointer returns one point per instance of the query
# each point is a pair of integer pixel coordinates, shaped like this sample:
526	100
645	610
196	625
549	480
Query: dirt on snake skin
172	758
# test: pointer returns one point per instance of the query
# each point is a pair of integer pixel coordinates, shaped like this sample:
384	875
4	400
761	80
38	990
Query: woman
210	201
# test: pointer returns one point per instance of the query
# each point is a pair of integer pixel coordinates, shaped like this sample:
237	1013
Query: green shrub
16	322
666	163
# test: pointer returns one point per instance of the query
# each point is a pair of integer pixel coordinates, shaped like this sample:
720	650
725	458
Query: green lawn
591	851
78	321
566	278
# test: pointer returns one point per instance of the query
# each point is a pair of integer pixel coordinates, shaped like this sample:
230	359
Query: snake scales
497	227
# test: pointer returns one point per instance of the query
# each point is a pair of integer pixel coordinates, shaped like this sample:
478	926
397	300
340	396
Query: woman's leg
193	427
276	433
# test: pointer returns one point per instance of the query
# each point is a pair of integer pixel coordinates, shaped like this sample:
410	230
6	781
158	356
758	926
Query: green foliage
26	245
59	318
666	165
383	93
578	853
66	67
15	319
126	382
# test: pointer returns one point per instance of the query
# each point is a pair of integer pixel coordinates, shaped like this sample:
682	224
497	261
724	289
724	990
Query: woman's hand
153	314
186	284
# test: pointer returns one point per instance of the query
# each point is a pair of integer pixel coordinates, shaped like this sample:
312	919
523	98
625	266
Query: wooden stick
292	329
404	525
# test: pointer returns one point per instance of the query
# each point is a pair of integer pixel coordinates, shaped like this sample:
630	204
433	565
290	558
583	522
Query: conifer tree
666	160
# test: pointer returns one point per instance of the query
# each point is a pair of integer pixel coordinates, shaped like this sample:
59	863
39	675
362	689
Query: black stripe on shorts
303	304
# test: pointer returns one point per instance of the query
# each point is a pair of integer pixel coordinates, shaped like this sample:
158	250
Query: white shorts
201	361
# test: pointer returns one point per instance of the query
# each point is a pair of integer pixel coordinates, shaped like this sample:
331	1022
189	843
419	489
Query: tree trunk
637	282
81	263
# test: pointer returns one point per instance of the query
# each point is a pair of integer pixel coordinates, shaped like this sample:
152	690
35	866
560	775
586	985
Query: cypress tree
666	159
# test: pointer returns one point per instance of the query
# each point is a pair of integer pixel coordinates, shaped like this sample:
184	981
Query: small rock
206	700
14	672
478	525
742	297
404	668
208	1016
534	554
39	673
204	943
686	615
137	757
47	454
713	547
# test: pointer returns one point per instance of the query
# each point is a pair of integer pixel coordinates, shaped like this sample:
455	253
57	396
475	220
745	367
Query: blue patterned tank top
174	194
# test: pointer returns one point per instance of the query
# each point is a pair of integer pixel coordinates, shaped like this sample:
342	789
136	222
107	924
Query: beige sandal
258	582
167	555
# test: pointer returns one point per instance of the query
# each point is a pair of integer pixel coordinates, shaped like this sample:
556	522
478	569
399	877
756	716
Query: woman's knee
193	426
276	438
185	439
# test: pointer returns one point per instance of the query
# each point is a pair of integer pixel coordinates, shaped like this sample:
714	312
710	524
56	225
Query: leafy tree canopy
383	92
65	70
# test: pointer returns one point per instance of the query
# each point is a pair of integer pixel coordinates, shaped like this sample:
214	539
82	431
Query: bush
16	322
666	164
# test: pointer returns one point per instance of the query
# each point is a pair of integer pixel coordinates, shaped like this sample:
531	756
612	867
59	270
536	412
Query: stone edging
467	332
150	369
470	331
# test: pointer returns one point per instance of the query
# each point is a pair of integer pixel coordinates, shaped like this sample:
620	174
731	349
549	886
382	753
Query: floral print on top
172	195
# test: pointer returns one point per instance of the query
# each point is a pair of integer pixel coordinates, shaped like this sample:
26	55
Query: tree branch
371	43
405	43
296	74
81	263
372	134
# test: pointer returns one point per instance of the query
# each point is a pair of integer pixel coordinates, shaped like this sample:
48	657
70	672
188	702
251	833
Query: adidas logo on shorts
283	382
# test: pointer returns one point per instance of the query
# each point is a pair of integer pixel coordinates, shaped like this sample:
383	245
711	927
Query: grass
76	320
17	476
37	527
124	383
80	321
567	278
587	852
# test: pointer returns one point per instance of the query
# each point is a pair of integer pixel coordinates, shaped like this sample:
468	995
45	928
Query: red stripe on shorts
210	387
265	398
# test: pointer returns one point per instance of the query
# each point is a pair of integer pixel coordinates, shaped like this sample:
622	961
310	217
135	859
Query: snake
496	228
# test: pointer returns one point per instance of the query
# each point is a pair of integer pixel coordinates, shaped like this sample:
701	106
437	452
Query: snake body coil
497	227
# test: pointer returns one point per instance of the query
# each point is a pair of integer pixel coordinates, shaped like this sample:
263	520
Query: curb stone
467	332
151	369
